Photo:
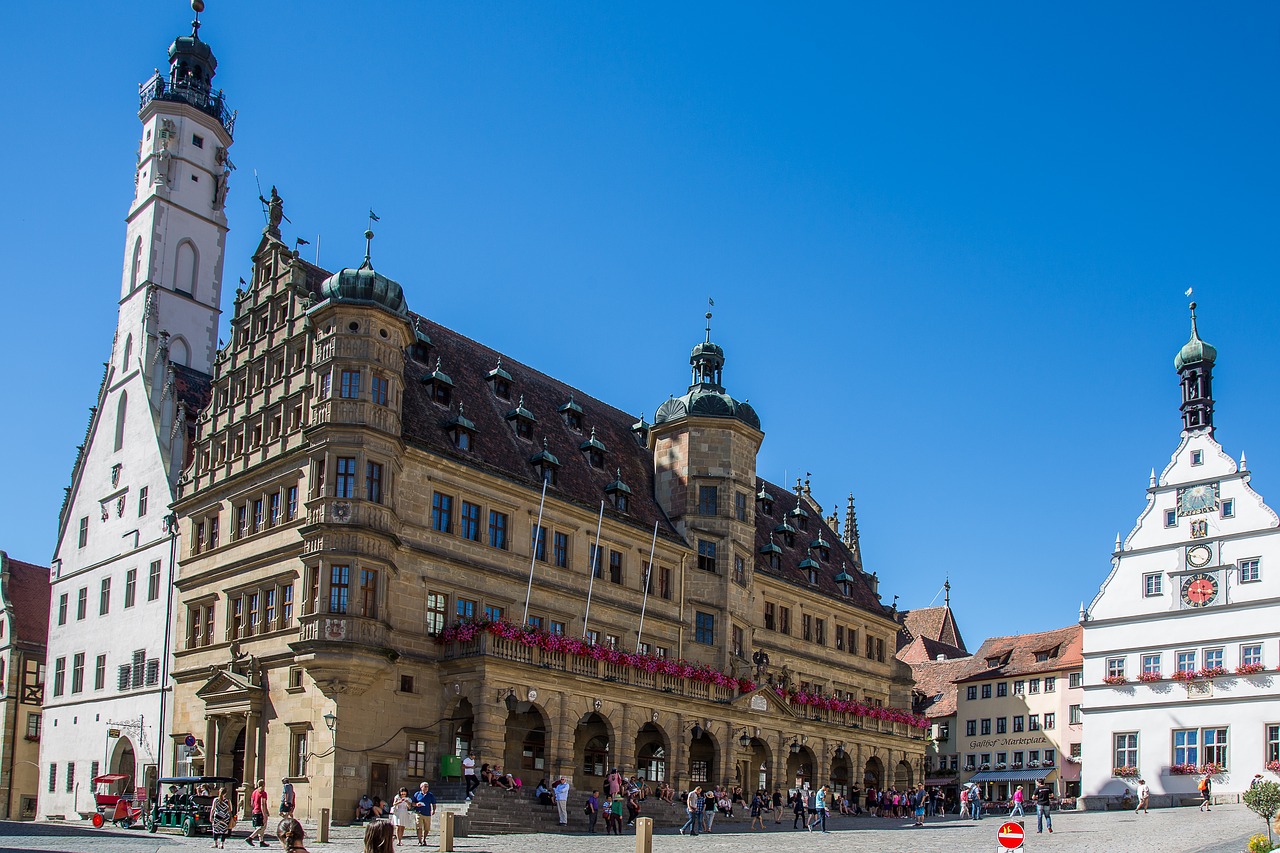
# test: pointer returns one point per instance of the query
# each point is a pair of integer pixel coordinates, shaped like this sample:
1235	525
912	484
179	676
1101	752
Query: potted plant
1126	771
1148	677
1248	669
1115	679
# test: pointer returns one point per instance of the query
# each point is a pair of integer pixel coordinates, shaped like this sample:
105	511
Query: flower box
1115	679
1185	675
1212	768
1183	770
1212	672
1273	766
1033	763
1248	668
1148	677
1124	772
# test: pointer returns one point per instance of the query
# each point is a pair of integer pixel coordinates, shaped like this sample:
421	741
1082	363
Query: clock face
1195	500
1199	589
1199	556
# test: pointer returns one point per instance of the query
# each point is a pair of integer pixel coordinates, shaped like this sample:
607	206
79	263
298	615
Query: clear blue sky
948	243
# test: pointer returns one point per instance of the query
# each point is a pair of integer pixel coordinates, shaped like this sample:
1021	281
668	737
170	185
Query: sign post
1010	835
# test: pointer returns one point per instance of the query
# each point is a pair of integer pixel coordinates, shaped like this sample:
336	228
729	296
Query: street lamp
331	721
745	739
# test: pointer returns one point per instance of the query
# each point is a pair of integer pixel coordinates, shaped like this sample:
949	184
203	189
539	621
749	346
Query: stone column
564	725
489	728
625	754
782	753
210	746
250	755
678	770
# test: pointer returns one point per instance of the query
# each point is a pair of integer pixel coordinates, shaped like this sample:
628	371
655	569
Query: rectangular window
1050	720
273	509
33	726
291	503
84	540
100	672
769	621
437	610
378	390
839	638
104	597
986	691
1075	679
986	727
77	673
1033	685
350	387
286	605
53	777
344	485
1214	743
368	603
270	610
493	612
739	570
1018	723
62	609
820	631
1002	689
1152	584
416	760
736	640
1033	722
740	506
1186	746
372	482
705	628
971	692
706	555
664	583
806	627
1115	668
312	602
142	501
557	628
339	582
1170	518
1273	743
1228	507
615	567
442	513
1187	661
237	618
466	608
1074	715
498	529
708	500
298	753
1002	725
1251	654
59	676
970	728
1151	664
560	549
1019	687
784	620
130	587
1212	658
82	603
258	518
1250	570
469	521
325	381
540	544
1050	684
251	604
71	776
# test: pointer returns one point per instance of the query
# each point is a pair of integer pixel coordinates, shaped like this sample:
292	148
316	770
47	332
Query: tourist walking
1017	803
220	818
918	804
777	806
287	798
258	812
1144	797
692	803
975	802
820	809
592	811
709	801
561	793
1044	799
469	773
798	809
964	802
758	807
401	814
1206	791
424	806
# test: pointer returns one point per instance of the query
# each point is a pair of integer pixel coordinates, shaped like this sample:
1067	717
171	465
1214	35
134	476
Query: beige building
1018	708
24	635
358	549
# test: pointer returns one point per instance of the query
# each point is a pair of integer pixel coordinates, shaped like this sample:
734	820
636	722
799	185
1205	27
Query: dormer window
787	532
499	381
772	553
572	413
845	581
545	465
799	517
462	431
421	348
810	568
821	547
766	501
522	420
594	449
619	492
640	429
440	385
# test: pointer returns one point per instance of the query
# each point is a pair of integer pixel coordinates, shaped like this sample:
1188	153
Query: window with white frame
1250	570
1115	667
1273	743
1212	658
1125	753
1075	679
1186	746
1215	746
1187	661
1152	585
1074	715
1197	457
1228	507
1170	518
1151	664
1251	653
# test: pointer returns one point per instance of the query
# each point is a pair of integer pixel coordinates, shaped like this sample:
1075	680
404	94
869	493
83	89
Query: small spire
460	409
368	249
1195	334
197	6
544	442
1244	462
807	490
1152	481
946	586
618	473
1118	545
710	304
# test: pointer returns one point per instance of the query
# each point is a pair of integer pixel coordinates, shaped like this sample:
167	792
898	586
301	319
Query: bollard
644	835
446	833
322	831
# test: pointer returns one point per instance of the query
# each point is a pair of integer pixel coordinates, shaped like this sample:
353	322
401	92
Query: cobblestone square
1185	830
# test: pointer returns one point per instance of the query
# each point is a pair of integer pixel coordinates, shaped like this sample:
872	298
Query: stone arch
186	268
903	776
873	774
653	753
801	767
758	766
525	744
462	728
841	773
594	750
704	754
135	265
128	353
124	759
122	410
179	351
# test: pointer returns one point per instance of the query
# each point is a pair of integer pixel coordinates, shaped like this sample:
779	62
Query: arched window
135	268
179	352
121	410
128	353
185	268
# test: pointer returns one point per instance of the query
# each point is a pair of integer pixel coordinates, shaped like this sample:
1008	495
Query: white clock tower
1182	643
107	672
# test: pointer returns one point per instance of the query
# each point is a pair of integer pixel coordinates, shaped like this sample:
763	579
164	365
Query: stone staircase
494	811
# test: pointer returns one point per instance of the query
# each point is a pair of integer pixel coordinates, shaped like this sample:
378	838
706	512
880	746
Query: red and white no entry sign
1010	835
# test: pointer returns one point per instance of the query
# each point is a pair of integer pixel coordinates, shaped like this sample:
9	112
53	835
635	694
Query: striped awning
1032	774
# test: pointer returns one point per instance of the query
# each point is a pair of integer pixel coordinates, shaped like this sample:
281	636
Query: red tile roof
1002	657
933	623
923	649
934	685
27	592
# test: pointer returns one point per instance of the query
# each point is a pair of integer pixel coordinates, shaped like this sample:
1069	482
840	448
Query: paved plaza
1185	830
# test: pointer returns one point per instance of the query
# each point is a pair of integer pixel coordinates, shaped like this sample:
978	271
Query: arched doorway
702	757
873	774
593	749
525	748
903	778
755	772
800	766
463	729
124	760
237	760
651	753
841	773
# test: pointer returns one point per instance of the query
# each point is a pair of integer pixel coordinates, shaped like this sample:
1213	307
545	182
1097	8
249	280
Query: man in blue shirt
424	806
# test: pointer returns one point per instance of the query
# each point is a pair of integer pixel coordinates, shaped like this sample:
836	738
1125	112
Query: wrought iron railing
198	95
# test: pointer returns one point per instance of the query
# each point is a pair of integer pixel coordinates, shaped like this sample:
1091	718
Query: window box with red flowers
1212	672
1213	768
1128	771
1115	679
1148	677
1248	669
1184	675
1183	769
1273	766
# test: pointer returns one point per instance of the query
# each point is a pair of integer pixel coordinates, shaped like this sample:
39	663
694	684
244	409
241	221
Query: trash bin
450	765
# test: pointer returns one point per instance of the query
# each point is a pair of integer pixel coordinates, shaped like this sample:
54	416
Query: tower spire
1194	363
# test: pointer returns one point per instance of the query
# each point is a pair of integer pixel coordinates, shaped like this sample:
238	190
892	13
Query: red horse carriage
115	801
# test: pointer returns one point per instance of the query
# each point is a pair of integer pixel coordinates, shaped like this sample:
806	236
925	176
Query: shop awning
1033	774
940	781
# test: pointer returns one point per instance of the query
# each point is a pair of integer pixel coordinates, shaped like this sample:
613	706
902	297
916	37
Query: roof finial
368	249
1194	333
711	303
197	6
946	586
1244	462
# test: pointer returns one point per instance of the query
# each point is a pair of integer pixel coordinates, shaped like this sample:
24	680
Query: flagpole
533	555
648	573
591	570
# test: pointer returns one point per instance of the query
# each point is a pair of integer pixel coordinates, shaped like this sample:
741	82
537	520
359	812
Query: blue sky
948	243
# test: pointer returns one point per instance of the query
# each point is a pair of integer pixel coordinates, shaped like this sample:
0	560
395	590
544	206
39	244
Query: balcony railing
334	628
198	95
